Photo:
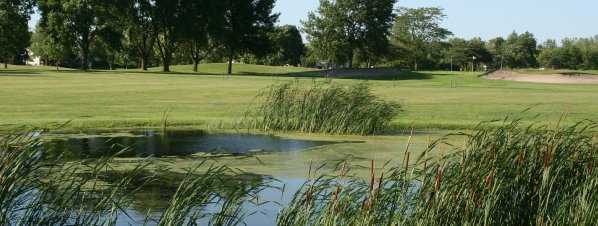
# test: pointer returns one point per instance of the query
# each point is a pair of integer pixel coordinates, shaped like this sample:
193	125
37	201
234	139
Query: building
33	60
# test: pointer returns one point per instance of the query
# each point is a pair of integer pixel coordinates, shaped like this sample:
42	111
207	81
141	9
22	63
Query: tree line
340	33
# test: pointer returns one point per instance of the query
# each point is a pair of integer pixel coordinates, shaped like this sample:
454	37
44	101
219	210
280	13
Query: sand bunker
543	78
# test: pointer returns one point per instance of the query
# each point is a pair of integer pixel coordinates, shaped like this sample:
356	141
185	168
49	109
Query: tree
341	28
462	53
46	47
377	22
139	34
549	54
14	32
246	26
83	19
521	50
479	53
205	22
458	54
288	46
416	30
496	47
326	33
168	25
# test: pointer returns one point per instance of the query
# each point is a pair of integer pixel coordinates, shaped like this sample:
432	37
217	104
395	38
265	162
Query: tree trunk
230	64
166	62
5	65
84	55
351	55
166	67
112	62
195	65
142	64
415	66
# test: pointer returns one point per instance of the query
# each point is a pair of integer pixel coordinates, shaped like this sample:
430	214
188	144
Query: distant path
543	78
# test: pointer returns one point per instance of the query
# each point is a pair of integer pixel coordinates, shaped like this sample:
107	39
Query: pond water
176	144
273	199
149	143
182	144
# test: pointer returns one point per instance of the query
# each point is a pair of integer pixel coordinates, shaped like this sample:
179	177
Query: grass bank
134	99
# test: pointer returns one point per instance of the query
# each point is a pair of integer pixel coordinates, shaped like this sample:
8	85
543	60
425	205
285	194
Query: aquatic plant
36	190
503	175
506	175
322	108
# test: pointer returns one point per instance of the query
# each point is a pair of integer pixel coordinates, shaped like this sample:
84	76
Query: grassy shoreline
136	100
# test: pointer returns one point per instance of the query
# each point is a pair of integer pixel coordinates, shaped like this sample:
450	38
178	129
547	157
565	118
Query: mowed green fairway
132	99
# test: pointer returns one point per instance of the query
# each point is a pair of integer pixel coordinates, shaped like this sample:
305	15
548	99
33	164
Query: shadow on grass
360	74
18	73
388	74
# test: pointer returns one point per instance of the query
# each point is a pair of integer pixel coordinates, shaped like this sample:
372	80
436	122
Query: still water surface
184	144
178	144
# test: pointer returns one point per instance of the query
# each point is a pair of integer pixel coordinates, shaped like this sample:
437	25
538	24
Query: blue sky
491	18
488	18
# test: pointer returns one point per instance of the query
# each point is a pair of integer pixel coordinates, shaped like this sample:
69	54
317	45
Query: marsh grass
322	108
506	175
509	174
35	190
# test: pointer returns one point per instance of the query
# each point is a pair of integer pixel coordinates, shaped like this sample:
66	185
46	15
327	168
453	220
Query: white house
33	60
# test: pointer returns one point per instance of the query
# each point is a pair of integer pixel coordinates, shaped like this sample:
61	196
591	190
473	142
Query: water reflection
156	196
176	144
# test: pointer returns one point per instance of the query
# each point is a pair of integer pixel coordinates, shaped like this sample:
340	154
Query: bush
323	108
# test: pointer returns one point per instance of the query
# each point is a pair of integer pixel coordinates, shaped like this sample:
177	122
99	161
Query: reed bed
503	175
36	190
506	175
322	108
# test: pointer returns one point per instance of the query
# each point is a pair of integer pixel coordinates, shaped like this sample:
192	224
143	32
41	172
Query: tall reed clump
510	175
516	175
323	108
35	190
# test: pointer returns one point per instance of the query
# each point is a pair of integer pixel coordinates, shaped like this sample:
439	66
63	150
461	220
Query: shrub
323	108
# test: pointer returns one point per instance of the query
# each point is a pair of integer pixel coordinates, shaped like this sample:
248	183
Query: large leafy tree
168	20
14	33
245	28
376	24
521	50
339	29
496	47
49	49
416	30
203	27
288	46
326	34
138	31
467	54
81	19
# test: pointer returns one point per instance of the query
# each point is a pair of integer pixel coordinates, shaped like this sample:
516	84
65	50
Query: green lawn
125	99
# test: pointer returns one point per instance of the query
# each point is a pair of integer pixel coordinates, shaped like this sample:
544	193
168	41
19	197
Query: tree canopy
417	32
340	33
340	29
14	31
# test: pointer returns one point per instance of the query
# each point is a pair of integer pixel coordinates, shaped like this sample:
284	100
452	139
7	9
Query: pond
176	144
282	185
273	198
183	144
